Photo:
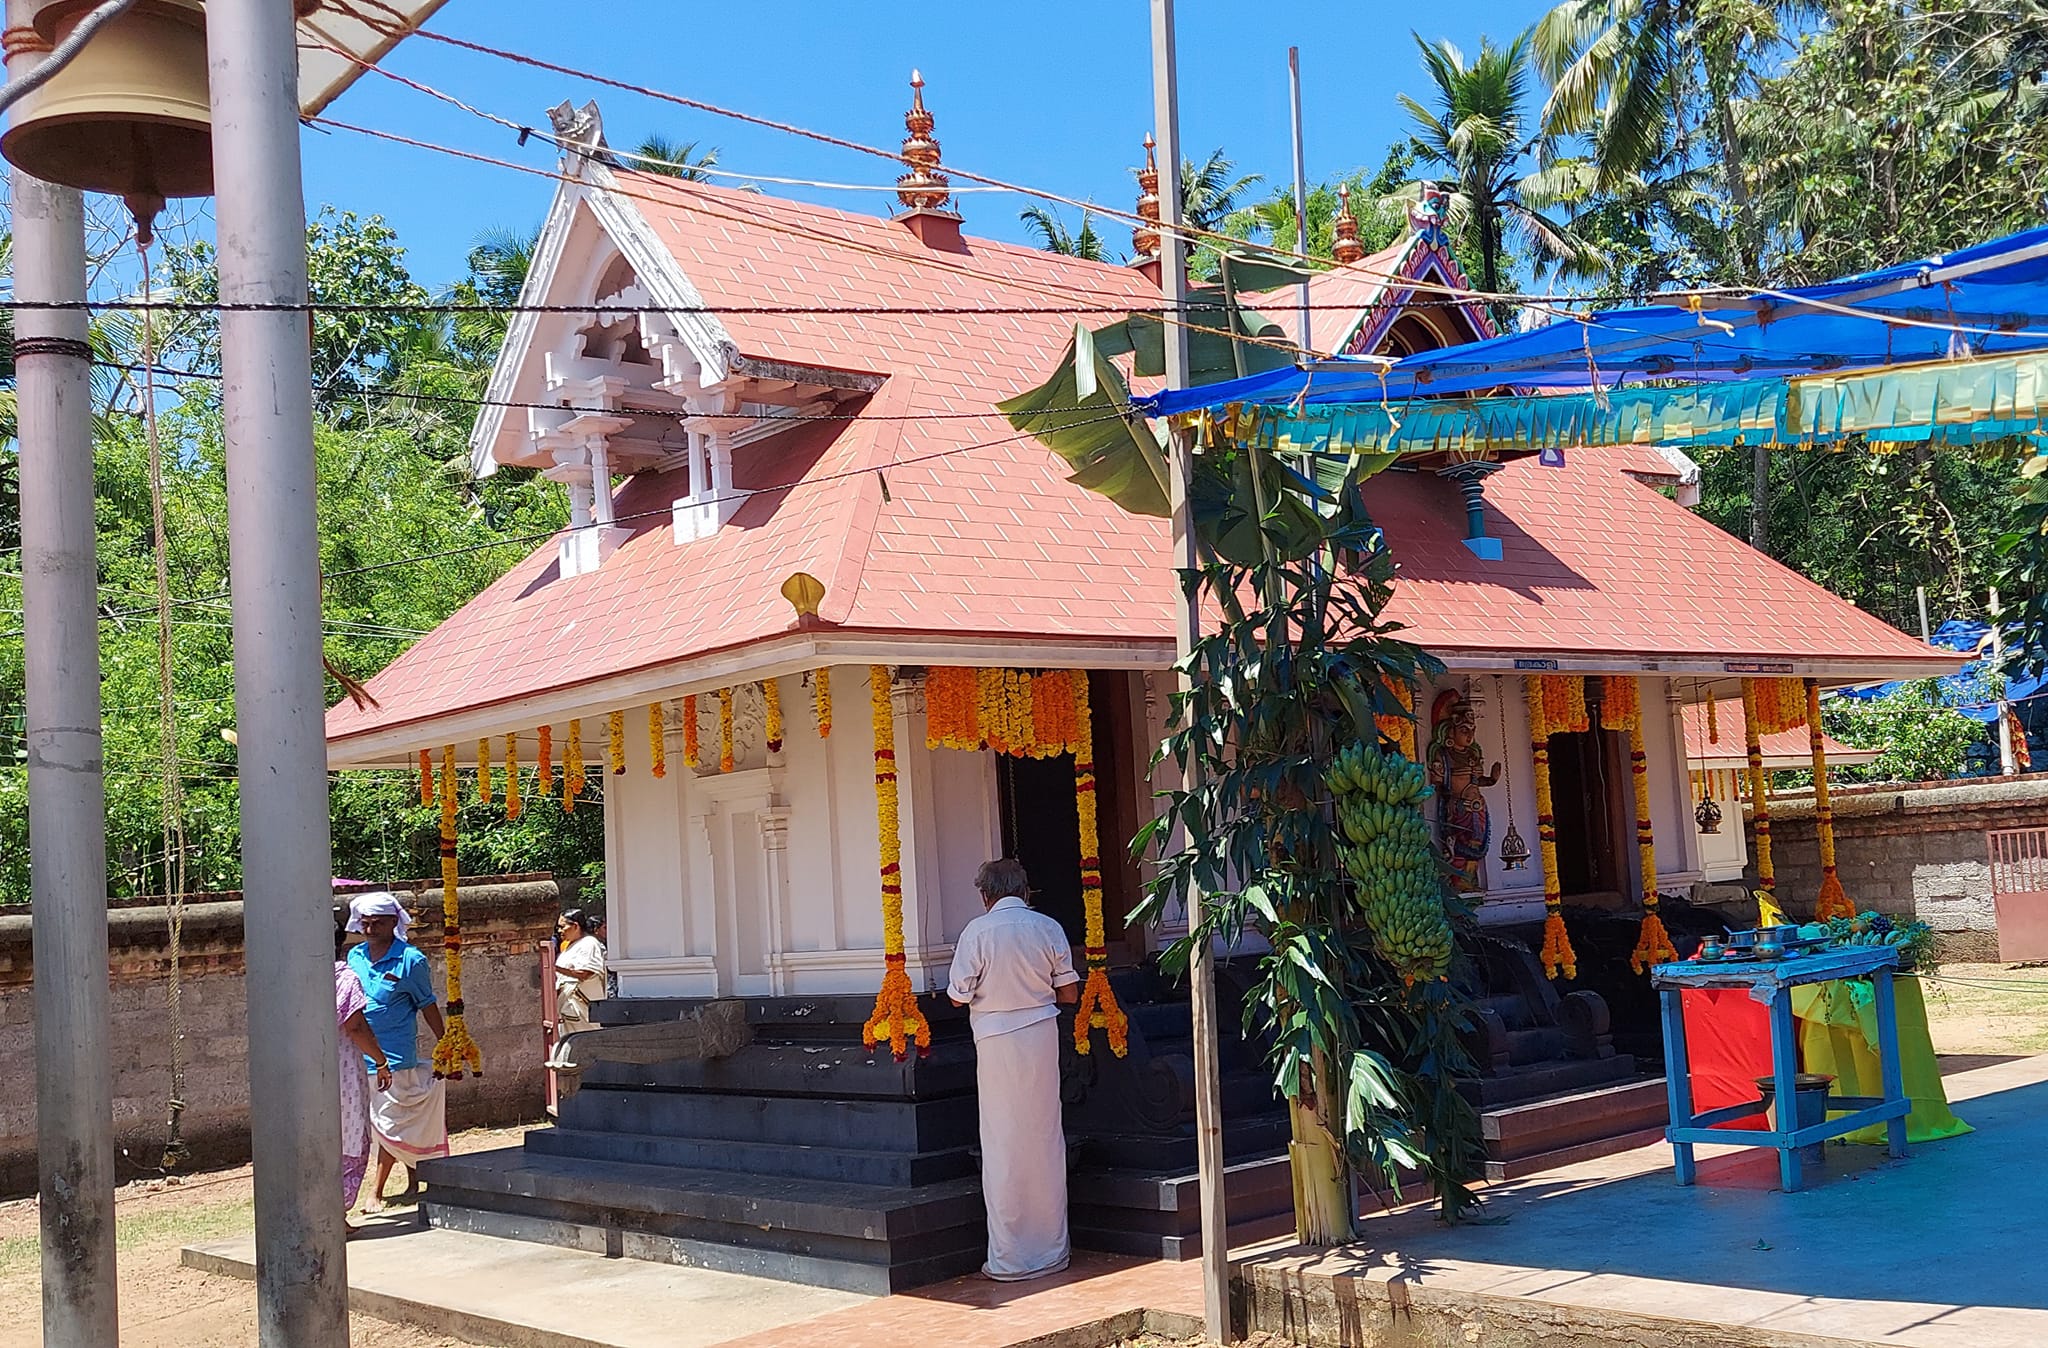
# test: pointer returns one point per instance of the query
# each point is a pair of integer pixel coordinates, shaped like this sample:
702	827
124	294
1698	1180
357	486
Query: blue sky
1053	93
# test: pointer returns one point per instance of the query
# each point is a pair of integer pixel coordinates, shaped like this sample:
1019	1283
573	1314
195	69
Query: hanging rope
172	792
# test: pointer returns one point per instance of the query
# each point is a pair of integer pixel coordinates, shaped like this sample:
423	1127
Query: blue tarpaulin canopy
1969	690
1988	301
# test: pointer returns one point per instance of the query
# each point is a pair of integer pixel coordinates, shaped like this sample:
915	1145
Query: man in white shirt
1013	970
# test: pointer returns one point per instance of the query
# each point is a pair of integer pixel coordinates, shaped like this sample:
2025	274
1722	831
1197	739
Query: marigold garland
771	703
572	766
1098	1000
692	750
657	740
615	742
1833	900
1780	705
1558	956
455	1051
1621	708
426	780
1398	727
544	761
896	1017
1009	711
725	730
1713	721
483	770
821	701
514	807
1621	703
1564	704
951	703
1759	787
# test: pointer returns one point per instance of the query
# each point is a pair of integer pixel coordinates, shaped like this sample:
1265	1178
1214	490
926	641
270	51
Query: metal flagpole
2008	759
67	809
1173	275
287	864
1300	187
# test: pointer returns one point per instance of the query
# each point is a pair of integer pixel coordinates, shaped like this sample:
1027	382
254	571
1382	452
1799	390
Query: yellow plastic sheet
1838	1037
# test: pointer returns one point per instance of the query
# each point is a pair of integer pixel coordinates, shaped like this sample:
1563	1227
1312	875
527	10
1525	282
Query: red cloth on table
1727	1046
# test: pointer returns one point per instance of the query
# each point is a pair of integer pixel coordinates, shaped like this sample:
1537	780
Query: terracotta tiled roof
1731	749
953	526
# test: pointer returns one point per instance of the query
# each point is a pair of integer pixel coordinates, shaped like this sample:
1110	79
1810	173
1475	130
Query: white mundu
1006	968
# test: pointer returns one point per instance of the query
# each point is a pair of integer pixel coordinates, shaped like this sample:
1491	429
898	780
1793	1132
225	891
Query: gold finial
1145	238
924	187
1348	249
804	593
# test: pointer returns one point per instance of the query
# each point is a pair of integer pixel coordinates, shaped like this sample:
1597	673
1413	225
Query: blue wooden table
1771	982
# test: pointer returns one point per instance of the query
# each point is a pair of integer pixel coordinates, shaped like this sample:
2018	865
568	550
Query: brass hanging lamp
1706	814
1514	852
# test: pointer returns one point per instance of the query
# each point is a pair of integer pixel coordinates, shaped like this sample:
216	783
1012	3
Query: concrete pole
67	809
1173	276
1926	632
1300	187
2008	759
287	863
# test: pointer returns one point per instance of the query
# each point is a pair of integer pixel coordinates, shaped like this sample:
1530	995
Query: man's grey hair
1002	878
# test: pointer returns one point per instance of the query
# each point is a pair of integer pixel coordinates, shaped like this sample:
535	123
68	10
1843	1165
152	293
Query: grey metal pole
67	809
1173	276
1300	185
1926	633
287	863
2008	757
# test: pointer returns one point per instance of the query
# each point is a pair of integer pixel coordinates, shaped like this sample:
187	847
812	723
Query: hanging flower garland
951	702
426	780
821	701
771	713
1564	704
657	741
692	750
992	712
1098	1001
1780	705
455	1050
896	1017
1759	787
1621	708
1713	721
1009	711
514	807
615	742
725	730
483	770
1558	956
1398	727
1833	900
544	761
572	766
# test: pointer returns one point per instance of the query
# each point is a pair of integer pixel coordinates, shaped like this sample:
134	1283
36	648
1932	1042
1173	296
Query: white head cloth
378	903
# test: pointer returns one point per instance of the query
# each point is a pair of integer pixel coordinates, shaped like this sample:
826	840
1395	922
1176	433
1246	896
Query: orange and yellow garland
483	769
544	761
455	1050
426	780
1564	704
615	742
1098	1001
1010	711
513	805
1833	900
771	712
657	740
896	1017
821	701
692	750
725	759
1558	956
1780	704
572	766
1759	784
1398	727
1621	708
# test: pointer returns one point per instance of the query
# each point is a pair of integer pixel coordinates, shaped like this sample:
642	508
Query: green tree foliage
680	159
1046	226
1269	223
1922	740
406	538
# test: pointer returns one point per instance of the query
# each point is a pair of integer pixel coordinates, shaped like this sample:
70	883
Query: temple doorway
1041	823
1589	781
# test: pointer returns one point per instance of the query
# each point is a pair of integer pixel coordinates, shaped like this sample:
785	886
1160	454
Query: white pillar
66	792
287	864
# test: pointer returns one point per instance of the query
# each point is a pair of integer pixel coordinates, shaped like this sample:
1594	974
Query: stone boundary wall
1911	850
502	924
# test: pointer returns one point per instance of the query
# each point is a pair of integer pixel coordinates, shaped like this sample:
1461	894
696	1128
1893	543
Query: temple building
832	633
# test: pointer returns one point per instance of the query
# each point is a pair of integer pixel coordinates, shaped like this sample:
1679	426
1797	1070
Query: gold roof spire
924	187
1348	249
1145	237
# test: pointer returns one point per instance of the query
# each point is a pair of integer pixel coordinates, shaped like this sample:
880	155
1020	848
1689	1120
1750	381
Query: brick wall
502	923
1915	850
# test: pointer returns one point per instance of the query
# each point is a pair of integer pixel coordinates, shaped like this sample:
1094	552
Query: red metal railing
2019	891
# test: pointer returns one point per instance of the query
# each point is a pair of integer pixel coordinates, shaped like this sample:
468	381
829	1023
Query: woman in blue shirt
410	1118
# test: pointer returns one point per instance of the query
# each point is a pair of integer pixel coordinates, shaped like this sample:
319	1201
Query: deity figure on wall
1458	771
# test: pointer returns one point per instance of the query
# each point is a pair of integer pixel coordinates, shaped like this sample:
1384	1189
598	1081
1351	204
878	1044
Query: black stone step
1538	1045
1519	1084
1557	1123
891	1169
857	1236
1159	1216
1512	1008
1243	1140
845	1070
876	1125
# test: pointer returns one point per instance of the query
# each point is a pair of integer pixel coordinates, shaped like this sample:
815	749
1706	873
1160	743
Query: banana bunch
1387	849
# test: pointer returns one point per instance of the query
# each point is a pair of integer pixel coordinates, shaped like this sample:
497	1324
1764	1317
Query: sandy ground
163	1304
1990	1009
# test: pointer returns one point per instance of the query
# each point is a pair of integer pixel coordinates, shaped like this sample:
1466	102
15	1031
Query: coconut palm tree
1475	130
673	159
1053	236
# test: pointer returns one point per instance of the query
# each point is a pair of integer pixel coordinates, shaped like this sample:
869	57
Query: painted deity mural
1458	771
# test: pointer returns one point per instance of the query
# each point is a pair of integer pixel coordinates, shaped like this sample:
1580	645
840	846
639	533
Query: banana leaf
1083	414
